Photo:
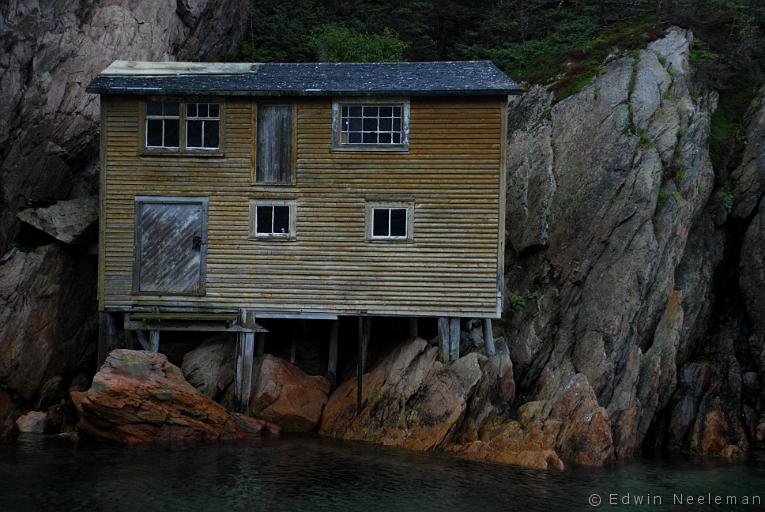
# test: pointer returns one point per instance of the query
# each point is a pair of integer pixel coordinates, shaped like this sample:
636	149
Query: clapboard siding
451	172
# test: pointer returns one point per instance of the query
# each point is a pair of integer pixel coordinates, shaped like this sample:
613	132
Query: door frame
142	200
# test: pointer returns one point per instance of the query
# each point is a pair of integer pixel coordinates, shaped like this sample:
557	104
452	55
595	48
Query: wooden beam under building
107	335
245	346
444	334
488	338
365	326
334	332
454	339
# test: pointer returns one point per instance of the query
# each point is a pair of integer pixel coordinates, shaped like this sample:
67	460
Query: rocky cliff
634	271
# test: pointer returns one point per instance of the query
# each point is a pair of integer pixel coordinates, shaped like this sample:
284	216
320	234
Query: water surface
306	473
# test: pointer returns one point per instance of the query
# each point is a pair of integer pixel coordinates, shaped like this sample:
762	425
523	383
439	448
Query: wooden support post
107	335
443	332
454	339
245	345
261	344
293	342
488	338
413	328
334	332
365	326
154	341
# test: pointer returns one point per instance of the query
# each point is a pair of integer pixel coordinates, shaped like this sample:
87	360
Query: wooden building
236	192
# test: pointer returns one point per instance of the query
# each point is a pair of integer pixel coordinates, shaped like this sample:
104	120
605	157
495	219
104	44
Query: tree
338	43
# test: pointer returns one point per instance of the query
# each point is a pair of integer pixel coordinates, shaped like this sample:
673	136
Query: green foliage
663	195
644	141
662	59
519	302
727	199
727	126
337	43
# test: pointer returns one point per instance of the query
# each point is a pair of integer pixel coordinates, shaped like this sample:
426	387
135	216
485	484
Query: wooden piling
488	338
365	326
334	333
443	332
107	335
243	376
454	339
293	342
413	328
154	341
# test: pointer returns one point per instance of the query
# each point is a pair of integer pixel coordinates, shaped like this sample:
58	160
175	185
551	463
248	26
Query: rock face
138	396
47	321
283	394
32	422
210	367
72	222
51	51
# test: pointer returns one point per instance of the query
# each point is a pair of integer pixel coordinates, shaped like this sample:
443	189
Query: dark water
307	473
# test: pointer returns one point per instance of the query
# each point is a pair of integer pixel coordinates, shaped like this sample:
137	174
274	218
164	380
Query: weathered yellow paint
452	173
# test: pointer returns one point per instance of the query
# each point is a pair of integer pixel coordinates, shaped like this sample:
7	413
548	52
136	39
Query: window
272	219
162	124
173	127
389	221
371	126
202	125
274	145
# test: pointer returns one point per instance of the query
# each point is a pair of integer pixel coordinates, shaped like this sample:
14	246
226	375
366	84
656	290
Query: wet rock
72	222
752	276
47	321
210	367
139	397
283	394
33	422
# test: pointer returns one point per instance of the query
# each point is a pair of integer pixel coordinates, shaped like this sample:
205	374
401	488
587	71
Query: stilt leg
154	341
413	331
107	335
488	338
454	339
332	359
293	344
364	332
243	375
443	331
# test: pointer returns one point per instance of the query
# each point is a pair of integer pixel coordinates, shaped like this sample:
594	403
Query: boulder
48	321
283	394
33	422
72	222
210	367
139	397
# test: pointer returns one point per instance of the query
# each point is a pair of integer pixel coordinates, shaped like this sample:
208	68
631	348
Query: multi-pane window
189	127
272	219
202	126
389	222
162	124
371	124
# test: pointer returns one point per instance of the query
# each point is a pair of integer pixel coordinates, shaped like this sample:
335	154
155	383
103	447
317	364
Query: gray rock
72	222
33	422
210	367
748	179
752	276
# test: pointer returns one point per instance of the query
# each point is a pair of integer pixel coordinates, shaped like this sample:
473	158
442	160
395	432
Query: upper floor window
274	150
182	127
163	120
202	126
375	126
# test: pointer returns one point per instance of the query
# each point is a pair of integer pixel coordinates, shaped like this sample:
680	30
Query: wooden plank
454	339
154	340
488	338
186	316
243	373
444	334
274	143
334	333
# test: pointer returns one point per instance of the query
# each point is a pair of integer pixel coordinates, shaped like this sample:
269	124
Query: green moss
644	141
663	195
727	199
727	126
662	59
519	302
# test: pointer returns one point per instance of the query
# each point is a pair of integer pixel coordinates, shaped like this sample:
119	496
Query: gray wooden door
171	242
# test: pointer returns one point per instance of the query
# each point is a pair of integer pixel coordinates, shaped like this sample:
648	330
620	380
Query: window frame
182	149
337	110
253	220
373	205
202	120
294	142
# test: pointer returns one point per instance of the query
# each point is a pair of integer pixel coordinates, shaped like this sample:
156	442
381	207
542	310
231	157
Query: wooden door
170	245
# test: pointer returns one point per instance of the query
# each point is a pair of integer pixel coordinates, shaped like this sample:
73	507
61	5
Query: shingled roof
323	79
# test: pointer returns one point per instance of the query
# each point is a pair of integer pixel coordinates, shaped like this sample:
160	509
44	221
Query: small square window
272	219
162	124
389	222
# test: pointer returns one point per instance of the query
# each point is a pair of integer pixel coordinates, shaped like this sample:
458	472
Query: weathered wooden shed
236	192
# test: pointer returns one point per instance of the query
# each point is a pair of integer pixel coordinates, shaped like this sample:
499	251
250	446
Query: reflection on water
308	473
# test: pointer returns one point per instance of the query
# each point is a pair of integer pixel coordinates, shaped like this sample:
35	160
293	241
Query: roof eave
196	92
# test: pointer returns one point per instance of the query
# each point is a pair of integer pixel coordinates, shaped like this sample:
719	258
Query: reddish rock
139	397
283	394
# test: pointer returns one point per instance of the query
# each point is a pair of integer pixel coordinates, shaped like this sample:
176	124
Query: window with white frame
202	126
372	125
389	222
162	124
272	219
